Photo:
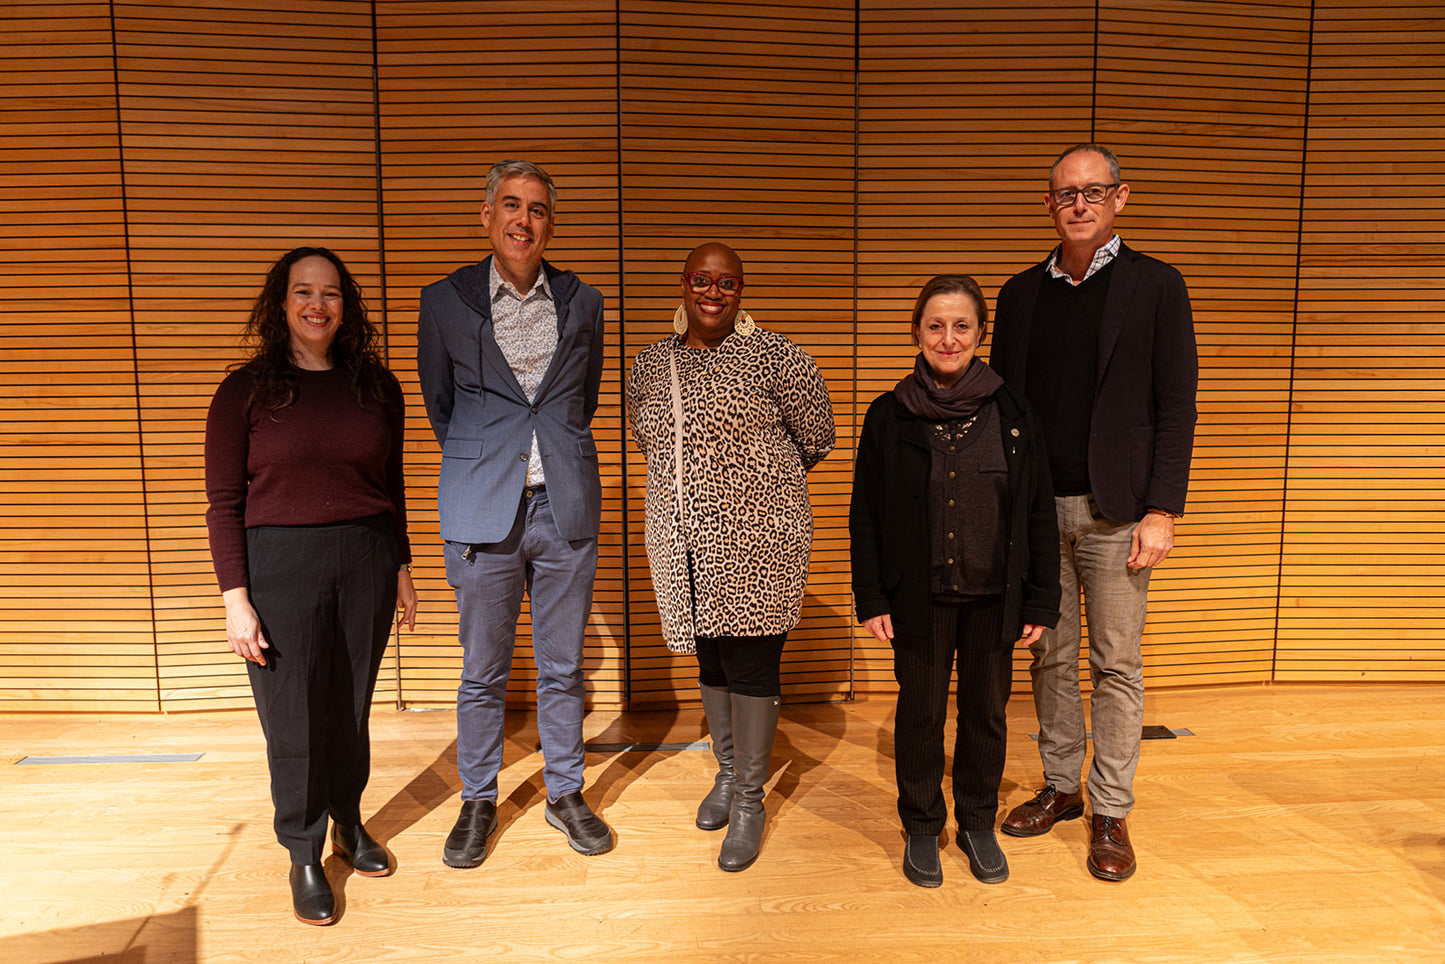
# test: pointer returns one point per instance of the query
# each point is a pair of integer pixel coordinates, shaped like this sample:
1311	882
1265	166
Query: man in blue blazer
510	357
1100	339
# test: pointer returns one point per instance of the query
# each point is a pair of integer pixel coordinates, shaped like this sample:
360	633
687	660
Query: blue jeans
1093	552
489	581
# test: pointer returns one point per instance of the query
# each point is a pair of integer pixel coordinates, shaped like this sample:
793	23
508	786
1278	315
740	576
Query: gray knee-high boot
755	723
712	813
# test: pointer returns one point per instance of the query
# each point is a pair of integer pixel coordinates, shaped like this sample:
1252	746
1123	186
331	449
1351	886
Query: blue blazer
1141	436
485	422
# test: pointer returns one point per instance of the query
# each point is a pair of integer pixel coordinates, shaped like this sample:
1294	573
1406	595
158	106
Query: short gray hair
1098	149
504	169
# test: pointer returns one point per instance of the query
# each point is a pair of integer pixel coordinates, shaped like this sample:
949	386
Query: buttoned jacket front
484	421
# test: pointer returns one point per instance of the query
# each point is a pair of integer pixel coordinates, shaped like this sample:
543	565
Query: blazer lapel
1116	307
1022	325
560	284
475	289
495	363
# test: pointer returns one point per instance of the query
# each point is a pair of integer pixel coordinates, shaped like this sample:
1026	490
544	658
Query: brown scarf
921	395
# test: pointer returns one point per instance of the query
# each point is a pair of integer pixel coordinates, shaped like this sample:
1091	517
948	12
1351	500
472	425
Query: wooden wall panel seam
177	137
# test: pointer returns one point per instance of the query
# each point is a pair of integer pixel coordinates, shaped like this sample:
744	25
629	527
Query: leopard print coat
756	417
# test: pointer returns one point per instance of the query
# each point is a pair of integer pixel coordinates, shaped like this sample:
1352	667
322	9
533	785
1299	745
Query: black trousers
746	665
968	634
325	596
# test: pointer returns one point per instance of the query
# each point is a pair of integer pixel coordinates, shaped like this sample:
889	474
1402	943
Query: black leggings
746	665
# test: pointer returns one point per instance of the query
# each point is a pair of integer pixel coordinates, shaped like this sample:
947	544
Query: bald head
716	255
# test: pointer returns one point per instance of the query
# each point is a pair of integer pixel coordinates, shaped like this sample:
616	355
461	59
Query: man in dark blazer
509	352
1100	340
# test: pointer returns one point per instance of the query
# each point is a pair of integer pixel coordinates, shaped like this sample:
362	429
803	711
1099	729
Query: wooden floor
1298	823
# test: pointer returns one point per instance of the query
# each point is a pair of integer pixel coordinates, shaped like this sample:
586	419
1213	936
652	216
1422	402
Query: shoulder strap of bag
676	429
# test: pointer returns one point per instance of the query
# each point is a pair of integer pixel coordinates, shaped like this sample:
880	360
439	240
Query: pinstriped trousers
968	635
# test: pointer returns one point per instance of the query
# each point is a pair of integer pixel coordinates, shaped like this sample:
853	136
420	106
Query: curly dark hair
354	351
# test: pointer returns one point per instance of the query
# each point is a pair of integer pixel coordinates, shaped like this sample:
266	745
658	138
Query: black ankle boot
311	897
367	857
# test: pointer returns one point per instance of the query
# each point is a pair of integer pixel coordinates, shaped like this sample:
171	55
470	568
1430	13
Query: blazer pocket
587	448
462	448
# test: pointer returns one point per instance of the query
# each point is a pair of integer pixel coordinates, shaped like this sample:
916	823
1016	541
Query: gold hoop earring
744	324
679	321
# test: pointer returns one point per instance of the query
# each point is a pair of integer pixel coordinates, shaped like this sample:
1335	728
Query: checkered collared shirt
1106	253
525	327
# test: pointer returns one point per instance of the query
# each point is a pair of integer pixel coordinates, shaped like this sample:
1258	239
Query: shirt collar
1107	252
501	286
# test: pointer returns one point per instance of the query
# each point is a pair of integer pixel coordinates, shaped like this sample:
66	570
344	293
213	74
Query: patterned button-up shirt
525	327
1107	252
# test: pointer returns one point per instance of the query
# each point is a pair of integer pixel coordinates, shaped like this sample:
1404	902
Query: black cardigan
888	520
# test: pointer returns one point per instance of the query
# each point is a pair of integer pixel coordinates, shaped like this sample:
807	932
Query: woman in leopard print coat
729	536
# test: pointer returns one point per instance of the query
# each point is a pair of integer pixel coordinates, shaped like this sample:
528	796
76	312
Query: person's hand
406	600
880	626
1031	634
1153	538
243	627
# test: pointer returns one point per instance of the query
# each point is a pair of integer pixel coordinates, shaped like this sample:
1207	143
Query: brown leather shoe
1111	856
1047	808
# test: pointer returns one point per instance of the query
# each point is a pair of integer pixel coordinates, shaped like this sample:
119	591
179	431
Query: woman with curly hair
307	523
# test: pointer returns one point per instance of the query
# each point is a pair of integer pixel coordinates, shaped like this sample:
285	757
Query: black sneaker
585	831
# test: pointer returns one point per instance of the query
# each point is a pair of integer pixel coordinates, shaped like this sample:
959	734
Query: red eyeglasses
700	281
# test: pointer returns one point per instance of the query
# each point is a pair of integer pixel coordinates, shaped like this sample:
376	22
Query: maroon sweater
323	458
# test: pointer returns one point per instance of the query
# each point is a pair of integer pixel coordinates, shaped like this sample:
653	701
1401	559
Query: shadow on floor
157	939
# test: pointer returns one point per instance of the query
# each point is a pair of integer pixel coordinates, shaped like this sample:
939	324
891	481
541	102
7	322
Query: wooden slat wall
75	607
962	108
1364	539
1164	90
740	130
463	85
1204	104
247	127
247	131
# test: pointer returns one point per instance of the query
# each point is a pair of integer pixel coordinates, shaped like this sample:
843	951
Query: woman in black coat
955	553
